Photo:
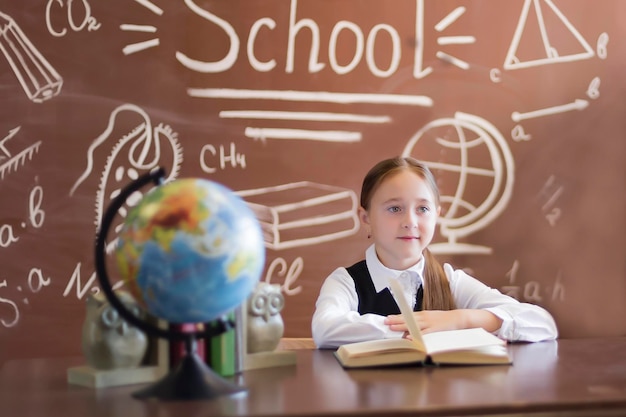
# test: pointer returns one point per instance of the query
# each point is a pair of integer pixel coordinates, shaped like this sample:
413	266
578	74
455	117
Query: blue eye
423	209
394	209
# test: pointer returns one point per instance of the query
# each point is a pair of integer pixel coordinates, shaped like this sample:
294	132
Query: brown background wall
519	110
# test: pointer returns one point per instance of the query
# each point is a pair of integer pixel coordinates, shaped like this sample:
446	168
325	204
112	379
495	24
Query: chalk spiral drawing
143	147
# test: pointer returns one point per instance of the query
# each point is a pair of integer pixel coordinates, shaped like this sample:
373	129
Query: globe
190	251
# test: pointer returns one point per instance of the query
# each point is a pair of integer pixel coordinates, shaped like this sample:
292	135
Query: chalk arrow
578	104
12	133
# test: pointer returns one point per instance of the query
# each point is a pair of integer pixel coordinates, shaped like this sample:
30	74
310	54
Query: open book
460	347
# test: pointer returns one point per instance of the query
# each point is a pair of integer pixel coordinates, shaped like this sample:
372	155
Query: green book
222	355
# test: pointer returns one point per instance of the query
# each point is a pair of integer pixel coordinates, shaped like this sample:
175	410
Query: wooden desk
581	377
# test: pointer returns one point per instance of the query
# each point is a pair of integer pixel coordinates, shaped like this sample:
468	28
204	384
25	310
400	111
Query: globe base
192	379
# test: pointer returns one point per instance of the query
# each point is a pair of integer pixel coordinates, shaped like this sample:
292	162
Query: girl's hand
428	321
438	320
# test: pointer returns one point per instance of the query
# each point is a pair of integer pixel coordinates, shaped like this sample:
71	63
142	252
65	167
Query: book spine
222	350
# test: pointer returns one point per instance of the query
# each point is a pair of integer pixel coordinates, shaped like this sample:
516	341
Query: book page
486	355
378	347
445	340
463	339
407	313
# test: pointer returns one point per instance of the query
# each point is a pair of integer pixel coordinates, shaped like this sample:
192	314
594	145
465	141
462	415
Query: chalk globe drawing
475	172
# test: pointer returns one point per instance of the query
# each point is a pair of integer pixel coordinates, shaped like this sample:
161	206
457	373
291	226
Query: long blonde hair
437	294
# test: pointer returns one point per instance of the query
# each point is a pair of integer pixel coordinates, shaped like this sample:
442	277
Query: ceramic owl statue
264	324
108	341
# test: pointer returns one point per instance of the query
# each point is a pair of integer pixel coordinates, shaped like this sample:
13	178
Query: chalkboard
517	106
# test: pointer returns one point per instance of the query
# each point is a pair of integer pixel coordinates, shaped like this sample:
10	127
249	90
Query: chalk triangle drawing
551	54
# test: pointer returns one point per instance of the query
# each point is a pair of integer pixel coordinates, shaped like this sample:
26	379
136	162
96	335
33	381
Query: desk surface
567	377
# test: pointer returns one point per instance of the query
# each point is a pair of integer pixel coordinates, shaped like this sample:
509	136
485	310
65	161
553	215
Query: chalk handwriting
365	44
532	290
593	91
88	21
495	75
290	274
12	321
549	195
233	158
36	282
36	214
76	281
82	288
518	134
601	47
7	236
36	217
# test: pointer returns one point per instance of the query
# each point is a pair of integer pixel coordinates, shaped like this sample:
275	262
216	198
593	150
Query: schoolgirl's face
402	217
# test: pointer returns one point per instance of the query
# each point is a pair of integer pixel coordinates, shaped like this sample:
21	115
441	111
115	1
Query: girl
399	210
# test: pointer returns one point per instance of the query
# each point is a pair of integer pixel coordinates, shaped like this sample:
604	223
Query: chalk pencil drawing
36	75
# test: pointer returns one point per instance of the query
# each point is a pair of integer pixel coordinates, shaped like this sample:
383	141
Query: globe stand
191	379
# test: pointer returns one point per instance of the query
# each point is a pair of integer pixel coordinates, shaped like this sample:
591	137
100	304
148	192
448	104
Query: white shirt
337	321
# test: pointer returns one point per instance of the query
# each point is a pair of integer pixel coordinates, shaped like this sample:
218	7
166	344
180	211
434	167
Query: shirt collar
380	273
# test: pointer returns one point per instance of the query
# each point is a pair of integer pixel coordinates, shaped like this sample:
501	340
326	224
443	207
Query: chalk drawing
578	104
459	136
37	77
137	152
10	163
303	213
550	52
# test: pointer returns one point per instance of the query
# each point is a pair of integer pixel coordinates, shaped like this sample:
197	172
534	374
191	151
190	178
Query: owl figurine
264	324
108	341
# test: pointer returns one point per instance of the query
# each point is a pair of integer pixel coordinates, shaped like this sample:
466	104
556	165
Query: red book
177	347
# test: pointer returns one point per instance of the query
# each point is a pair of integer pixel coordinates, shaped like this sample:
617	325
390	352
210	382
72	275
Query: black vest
370	301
